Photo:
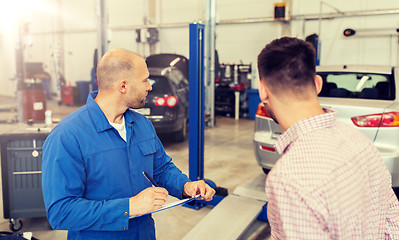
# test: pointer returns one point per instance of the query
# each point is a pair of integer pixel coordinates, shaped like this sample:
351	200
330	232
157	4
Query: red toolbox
67	95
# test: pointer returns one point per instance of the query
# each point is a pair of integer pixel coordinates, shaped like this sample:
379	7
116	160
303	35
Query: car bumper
167	126
390	156
267	158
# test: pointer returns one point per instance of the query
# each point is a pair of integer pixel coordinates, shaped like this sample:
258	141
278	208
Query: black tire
396	191
266	171
15	225
181	135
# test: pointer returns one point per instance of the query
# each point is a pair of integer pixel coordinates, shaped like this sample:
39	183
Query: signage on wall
281	11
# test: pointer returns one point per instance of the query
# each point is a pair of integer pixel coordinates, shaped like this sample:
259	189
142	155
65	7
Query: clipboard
170	205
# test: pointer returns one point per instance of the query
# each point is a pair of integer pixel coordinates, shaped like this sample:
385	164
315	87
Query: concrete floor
229	162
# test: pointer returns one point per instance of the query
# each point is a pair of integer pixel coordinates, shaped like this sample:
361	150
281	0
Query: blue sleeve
166	173
63	183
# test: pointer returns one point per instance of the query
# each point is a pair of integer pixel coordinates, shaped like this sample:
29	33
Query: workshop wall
379	47
124	14
79	39
7	59
67	41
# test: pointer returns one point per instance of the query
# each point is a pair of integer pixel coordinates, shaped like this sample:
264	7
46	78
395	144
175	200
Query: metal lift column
196	102
196	116
234	214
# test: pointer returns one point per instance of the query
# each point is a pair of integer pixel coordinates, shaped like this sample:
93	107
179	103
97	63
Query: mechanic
94	159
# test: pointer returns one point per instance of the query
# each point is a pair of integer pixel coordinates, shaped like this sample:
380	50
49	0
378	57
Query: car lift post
196	116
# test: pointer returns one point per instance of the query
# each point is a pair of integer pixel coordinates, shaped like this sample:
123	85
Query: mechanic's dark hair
287	63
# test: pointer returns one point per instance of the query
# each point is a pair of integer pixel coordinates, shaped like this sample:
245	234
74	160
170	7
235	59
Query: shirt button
125	213
124	228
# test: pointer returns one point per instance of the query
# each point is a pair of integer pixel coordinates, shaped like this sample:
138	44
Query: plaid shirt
330	183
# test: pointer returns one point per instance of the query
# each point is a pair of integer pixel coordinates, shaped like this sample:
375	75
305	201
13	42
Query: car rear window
357	85
160	85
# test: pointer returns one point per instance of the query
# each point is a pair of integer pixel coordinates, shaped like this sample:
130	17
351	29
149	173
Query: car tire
15	224
181	135
266	171
396	191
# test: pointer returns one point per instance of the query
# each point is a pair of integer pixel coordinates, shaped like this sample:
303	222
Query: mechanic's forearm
81	214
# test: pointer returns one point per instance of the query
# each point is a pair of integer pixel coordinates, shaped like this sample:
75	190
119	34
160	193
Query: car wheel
181	135
396	190
15	224
266	171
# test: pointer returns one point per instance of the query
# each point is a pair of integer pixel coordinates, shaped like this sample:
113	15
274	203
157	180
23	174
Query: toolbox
21	159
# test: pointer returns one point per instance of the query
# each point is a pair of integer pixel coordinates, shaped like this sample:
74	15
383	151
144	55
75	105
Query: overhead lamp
349	32
371	32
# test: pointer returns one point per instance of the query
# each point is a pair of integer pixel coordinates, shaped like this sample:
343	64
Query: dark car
167	104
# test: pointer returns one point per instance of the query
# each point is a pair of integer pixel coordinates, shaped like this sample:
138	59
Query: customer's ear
318	82
263	91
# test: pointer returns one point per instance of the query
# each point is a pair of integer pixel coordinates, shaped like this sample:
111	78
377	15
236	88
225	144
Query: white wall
80	39
122	13
235	42
337	49
176	40
8	83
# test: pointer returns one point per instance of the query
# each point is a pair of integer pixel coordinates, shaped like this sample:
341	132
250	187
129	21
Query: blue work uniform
89	172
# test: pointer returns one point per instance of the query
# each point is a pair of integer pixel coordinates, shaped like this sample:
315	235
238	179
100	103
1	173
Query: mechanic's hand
148	200
191	189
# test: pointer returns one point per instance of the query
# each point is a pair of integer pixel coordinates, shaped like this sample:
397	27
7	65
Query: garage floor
229	162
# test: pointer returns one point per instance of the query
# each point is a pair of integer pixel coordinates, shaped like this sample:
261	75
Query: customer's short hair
287	63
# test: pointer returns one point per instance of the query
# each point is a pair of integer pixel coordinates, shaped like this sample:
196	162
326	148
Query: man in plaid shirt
331	182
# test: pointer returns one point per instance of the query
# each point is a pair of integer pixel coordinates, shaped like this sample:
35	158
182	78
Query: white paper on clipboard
171	205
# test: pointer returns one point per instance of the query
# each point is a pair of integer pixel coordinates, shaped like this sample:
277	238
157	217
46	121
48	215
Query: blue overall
89	172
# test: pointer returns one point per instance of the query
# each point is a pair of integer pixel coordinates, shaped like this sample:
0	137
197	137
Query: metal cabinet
21	159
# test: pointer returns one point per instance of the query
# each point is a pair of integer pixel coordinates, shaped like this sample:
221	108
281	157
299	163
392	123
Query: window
160	85
357	85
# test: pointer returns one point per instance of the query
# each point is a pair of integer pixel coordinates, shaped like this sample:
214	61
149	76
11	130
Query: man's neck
290	113
111	106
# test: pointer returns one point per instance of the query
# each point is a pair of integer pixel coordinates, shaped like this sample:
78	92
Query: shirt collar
97	116
304	126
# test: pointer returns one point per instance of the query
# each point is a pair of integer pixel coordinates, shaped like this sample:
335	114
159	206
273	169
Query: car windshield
160	85
357	85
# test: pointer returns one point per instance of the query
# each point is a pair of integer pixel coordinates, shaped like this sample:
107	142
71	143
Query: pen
150	179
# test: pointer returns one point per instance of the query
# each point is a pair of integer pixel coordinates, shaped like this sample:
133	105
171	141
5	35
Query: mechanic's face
139	87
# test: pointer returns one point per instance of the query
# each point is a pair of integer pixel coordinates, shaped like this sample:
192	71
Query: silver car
364	97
